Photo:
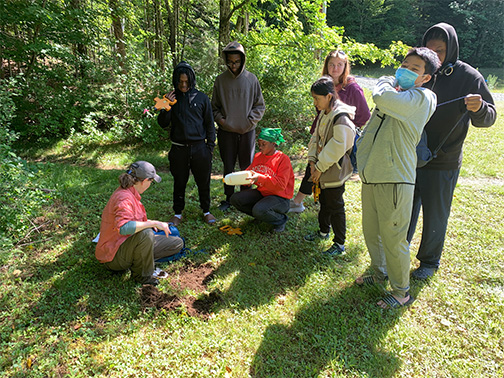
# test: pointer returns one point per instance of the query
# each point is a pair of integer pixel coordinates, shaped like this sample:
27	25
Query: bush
19	202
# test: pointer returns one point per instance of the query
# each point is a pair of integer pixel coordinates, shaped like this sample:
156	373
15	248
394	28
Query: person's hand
253	177
312	169
473	102
316	176
162	226
222	121
171	96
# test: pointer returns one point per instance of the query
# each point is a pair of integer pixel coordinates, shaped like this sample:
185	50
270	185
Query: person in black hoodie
462	97
192	134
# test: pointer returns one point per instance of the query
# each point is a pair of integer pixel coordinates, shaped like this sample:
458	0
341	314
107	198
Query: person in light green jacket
387	161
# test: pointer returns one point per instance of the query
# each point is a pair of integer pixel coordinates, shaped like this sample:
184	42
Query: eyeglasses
235	63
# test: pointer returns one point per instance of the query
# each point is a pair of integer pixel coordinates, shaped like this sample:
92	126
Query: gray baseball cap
143	170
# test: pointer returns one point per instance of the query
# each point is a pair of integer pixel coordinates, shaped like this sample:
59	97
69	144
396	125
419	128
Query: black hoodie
455	79
191	116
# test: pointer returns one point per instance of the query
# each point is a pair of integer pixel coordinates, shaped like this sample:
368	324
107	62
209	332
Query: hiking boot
295	208
335	250
316	236
175	221
209	219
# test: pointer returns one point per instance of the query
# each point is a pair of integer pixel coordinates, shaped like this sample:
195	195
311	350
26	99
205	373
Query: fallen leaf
252	264
16	272
228	369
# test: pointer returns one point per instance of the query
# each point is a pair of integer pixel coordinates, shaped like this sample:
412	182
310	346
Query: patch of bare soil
192	277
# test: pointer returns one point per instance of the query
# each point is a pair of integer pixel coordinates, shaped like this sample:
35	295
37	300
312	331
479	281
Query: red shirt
276	174
123	206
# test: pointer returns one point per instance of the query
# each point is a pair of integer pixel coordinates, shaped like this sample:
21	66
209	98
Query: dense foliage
91	68
479	24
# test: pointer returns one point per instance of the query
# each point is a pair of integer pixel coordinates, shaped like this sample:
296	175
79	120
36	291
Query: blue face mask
405	78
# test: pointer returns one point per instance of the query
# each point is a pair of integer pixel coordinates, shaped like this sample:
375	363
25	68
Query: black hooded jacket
191	117
453	80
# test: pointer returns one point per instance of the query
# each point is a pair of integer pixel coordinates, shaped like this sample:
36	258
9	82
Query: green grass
284	311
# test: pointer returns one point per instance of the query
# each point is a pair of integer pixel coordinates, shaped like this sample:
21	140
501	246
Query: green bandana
272	135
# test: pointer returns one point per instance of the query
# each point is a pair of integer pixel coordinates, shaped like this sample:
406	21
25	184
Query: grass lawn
273	305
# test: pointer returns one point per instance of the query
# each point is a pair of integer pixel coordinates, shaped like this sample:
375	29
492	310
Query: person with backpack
329	159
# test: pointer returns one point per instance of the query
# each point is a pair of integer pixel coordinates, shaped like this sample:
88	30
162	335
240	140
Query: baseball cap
143	170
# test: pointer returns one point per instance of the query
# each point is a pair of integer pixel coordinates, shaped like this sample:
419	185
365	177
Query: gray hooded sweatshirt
237	99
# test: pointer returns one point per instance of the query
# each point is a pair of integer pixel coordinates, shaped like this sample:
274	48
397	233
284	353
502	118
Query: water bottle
237	178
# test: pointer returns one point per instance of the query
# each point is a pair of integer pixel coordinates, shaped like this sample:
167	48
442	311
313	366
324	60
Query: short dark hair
432	62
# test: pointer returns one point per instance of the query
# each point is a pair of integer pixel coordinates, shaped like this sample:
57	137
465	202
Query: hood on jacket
183	68
235	48
450	35
344	108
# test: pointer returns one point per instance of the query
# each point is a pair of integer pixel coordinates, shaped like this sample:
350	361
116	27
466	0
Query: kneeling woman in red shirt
127	239
272	173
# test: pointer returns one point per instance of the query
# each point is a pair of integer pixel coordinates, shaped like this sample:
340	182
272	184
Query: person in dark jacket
192	134
238	105
467	98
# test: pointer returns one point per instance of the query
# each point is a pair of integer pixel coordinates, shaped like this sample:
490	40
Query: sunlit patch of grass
285	310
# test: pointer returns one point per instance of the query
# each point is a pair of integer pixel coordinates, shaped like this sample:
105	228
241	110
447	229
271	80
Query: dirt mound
190	277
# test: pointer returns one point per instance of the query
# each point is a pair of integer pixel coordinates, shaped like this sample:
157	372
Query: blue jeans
269	209
433	193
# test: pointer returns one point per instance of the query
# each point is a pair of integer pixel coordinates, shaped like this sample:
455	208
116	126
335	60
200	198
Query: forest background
85	71
75	79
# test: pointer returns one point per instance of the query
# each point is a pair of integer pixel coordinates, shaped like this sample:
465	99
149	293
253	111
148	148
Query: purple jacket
354	96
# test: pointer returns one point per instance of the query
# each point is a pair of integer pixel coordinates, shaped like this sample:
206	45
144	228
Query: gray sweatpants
386	214
139	251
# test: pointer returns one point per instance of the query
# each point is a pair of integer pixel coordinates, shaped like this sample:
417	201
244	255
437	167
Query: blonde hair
343	78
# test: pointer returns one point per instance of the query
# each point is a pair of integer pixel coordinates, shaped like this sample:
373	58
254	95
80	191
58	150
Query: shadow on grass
338	337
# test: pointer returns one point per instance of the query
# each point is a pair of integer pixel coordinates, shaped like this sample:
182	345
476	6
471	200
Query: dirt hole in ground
191	277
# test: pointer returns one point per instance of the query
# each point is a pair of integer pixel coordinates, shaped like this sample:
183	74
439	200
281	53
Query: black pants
196	158
234	146
306	186
332	213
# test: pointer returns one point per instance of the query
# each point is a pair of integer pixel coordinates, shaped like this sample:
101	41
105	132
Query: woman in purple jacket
337	65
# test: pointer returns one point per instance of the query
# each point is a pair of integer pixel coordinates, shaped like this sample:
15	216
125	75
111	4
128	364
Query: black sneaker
224	206
316	236
280	228
335	250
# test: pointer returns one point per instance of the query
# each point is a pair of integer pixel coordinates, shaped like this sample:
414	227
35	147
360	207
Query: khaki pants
386	214
139	251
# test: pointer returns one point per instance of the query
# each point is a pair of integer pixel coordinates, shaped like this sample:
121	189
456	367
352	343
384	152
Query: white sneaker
295	208
158	273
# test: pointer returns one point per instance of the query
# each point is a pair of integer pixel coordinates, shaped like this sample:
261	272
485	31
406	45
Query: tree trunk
117	28
80	49
173	21
224	18
158	42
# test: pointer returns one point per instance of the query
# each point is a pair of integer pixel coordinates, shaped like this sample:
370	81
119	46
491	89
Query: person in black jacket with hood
192	134
462	96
